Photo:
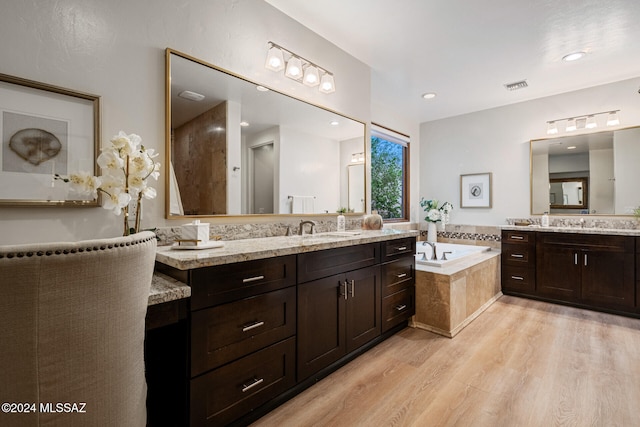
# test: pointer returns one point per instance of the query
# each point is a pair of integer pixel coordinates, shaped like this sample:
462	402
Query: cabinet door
363	306
608	277
558	271
321	324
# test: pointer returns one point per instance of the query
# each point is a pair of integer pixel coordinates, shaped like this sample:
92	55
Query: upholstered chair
72	324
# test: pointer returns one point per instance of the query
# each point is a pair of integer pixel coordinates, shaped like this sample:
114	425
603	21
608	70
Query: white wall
626	146
315	158
115	49
497	141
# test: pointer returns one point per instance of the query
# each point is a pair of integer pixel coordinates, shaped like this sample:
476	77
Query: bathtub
457	252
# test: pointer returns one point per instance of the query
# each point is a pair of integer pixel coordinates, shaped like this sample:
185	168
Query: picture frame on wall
45	130
475	190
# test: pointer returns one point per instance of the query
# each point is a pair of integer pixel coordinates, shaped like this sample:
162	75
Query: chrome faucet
302	223
434	257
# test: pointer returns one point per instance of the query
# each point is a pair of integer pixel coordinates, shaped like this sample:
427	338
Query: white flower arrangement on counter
435	213
126	165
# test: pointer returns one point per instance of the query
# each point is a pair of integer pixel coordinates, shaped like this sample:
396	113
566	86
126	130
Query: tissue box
195	234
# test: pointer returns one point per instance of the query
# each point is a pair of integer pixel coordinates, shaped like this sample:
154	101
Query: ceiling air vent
516	85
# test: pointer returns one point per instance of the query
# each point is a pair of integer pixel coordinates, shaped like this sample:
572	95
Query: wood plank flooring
521	363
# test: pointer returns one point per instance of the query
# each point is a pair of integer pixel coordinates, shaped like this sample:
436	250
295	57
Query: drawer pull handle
517	278
401	307
402	248
252	279
252	326
516	237
401	275
255	382
517	256
353	288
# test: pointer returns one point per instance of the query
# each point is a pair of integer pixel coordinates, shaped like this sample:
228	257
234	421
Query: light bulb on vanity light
591	123
311	76
613	120
294	68
552	129
327	85
571	125
275	60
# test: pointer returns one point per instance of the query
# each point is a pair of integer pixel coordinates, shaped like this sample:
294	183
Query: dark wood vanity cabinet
338	313
398	278
594	271
242	337
518	260
263	330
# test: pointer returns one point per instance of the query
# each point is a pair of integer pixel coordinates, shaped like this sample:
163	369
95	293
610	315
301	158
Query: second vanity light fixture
587	121
299	69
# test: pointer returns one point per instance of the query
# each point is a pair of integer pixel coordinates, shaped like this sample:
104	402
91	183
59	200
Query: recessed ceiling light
573	56
334	123
262	89
429	95
244	124
571	147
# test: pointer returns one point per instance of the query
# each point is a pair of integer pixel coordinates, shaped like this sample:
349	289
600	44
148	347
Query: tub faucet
434	257
302	223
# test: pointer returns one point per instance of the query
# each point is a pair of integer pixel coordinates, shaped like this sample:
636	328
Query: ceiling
466	52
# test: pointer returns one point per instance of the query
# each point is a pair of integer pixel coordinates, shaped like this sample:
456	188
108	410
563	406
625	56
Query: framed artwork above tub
475	190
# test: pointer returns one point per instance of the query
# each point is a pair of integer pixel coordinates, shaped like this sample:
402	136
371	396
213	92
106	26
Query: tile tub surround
449	298
481	235
268	247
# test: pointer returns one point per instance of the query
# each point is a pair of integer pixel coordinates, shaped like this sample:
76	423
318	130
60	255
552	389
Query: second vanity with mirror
269	317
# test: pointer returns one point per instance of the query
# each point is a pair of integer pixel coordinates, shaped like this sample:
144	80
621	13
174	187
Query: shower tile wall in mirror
236	148
595	173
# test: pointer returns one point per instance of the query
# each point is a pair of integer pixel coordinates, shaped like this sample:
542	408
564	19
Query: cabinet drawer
397	275
225	394
392	249
398	307
217	285
517	255
518	279
230	331
315	265
518	237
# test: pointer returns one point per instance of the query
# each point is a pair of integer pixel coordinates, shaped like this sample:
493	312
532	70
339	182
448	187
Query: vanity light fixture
299	69
587	121
357	157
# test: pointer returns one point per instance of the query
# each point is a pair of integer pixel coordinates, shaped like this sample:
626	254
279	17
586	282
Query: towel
302	204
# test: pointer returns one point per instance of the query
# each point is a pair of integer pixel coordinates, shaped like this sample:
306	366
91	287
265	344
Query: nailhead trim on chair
73	251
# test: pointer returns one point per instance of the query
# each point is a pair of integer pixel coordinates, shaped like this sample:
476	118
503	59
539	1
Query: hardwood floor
521	363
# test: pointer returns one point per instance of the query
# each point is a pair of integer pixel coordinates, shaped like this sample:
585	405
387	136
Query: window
389	174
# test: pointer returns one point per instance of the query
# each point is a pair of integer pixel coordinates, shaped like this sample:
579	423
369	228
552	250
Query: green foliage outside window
386	178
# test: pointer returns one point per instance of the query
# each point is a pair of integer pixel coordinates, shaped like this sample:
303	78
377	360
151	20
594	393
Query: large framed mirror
235	147
593	173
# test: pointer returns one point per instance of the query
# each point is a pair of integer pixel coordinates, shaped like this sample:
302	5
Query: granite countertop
586	230
165	289
267	247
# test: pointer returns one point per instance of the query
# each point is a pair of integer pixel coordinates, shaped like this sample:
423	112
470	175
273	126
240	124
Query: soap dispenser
341	222
544	221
